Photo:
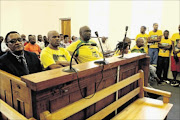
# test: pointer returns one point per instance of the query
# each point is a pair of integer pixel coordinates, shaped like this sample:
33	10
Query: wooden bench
11	113
142	108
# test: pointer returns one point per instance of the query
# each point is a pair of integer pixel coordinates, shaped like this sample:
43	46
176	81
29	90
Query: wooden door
66	27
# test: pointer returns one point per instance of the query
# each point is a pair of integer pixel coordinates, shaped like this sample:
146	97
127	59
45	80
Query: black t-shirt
10	64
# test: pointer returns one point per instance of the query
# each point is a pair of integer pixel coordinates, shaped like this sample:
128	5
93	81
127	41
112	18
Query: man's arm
164	47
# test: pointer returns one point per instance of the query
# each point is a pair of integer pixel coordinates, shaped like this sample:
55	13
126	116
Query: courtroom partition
54	89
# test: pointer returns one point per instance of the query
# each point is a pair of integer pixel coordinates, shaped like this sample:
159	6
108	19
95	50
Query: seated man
139	48
32	46
17	61
54	56
119	49
85	53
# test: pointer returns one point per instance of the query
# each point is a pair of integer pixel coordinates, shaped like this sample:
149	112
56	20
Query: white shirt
41	44
106	47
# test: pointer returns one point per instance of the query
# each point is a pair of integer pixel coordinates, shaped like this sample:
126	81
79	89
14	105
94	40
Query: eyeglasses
15	40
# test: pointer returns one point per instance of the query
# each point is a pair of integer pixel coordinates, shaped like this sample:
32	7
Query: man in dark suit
17	61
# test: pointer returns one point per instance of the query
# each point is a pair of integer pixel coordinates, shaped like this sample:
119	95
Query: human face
61	38
39	37
54	39
166	34
140	43
14	42
142	30
155	26
66	39
179	28
103	39
126	50
85	33
23	36
32	40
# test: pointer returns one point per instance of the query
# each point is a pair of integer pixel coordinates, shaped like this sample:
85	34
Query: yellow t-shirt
176	38
85	53
145	36
165	42
154	35
136	49
49	56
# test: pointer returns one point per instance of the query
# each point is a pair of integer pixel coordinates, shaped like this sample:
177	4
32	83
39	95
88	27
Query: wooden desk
54	89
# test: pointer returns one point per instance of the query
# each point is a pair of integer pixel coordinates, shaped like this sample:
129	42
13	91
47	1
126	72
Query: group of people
25	57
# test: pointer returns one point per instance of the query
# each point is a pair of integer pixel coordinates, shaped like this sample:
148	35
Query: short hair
144	27
9	34
39	35
154	23
61	34
65	36
119	46
166	31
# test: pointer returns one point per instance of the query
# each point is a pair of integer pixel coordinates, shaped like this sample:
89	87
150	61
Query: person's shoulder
73	45
29	53
4	56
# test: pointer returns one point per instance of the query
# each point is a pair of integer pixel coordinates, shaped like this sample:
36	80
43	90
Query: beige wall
108	17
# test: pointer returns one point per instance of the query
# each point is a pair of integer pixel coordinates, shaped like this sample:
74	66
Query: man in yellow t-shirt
163	57
53	56
143	35
175	57
153	40
85	53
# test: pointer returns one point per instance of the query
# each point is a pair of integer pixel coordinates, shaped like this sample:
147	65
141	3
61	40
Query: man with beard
32	46
85	53
17	61
53	56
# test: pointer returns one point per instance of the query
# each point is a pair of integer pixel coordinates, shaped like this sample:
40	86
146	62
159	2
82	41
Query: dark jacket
10	64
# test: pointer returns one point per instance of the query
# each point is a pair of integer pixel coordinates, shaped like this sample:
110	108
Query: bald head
85	33
140	42
54	39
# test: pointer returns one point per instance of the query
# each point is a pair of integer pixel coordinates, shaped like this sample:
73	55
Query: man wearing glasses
54	56
17	61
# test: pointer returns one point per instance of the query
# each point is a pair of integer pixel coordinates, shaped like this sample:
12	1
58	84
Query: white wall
109	18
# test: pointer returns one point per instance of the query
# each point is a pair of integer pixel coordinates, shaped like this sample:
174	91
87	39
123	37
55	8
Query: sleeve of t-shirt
71	48
68	56
46	59
172	38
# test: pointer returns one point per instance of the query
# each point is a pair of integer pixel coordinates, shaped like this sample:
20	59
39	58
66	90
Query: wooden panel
22	98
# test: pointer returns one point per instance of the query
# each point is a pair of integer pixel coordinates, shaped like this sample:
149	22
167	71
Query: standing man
175	57
153	40
85	53
32	46
145	36
163	57
53	56
17	61
40	42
